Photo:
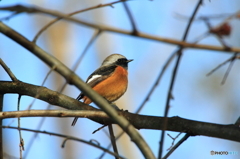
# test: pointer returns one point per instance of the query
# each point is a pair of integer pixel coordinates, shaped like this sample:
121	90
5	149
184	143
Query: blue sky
196	96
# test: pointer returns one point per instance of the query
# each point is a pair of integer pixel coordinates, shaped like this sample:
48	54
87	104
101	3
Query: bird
110	80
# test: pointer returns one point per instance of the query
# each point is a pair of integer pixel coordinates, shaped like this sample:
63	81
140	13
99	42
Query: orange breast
113	87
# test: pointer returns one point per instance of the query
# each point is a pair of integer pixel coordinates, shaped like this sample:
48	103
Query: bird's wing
97	76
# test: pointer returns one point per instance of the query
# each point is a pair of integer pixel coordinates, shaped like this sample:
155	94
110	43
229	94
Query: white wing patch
93	77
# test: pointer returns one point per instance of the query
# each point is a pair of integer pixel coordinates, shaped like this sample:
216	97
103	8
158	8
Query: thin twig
100	128
9	72
220	65
130	16
10	16
21	143
237	123
220	39
228	15
70	14
174	139
201	37
176	146
231	60
110	145
200	18
64	136
1	124
169	96
64	142
229	69
167	106
112	138
92	141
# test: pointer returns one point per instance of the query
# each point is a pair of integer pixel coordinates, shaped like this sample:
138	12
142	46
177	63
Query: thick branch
55	97
43	93
229	132
55	113
72	78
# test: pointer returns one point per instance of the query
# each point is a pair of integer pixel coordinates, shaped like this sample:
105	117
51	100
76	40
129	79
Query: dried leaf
222	30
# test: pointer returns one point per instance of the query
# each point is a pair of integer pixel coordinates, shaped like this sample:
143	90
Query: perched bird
110	80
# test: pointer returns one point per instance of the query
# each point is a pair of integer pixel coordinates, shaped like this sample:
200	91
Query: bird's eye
121	60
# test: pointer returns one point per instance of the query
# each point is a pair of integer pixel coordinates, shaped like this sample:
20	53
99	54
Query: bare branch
110	115
21	142
109	146
102	103
54	113
130	16
220	65
237	123
110	29
177	124
174	74
174	139
10	16
176	146
94	37
231	60
64	136
228	70
9	72
99	129
70	14
112	138
1	131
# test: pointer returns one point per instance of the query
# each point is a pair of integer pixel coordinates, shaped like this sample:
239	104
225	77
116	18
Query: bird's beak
129	60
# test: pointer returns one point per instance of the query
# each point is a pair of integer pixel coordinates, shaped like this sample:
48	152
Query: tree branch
112	138
1	121
186	136
9	72
72	78
21	8
173	77
177	124
229	132
70	14
67	137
